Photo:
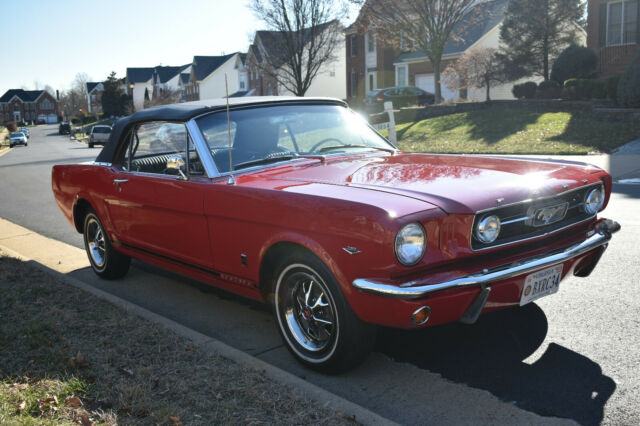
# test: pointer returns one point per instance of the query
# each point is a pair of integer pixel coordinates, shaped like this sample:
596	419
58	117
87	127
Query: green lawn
500	130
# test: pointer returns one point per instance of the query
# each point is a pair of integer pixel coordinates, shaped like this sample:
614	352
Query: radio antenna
231	180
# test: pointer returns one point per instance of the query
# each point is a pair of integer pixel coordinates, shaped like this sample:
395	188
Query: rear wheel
314	318
105	261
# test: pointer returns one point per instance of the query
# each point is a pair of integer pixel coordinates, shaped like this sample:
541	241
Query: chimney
57	95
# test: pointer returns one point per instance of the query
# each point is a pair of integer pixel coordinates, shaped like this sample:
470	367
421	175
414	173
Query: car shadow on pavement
490	355
628	190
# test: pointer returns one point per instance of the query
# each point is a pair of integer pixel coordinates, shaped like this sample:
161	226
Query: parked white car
99	135
17	138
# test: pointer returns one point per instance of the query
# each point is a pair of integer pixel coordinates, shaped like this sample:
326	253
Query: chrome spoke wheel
96	242
307	310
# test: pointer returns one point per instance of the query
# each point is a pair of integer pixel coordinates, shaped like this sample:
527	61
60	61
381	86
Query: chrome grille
517	223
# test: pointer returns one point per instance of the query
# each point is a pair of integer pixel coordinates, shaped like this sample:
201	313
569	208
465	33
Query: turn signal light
421	316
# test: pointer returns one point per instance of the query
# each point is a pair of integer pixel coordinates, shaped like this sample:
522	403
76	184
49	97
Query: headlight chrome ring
594	200
488	229
410	244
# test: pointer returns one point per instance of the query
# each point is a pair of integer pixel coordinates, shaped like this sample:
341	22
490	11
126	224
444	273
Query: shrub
549	89
629	85
574	62
11	126
597	89
525	90
612	87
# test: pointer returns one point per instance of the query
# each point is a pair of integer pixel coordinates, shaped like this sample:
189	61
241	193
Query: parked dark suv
401	96
64	128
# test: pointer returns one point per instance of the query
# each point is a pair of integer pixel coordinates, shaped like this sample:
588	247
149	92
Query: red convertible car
299	203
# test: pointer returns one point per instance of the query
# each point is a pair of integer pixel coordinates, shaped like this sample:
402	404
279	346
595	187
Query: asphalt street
573	355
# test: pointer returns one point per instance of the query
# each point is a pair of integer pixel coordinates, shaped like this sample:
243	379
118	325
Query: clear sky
50	41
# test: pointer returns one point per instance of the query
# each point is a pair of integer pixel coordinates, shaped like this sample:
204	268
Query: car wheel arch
273	251
80	209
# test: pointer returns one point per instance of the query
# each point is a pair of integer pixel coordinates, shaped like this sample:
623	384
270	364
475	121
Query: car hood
455	183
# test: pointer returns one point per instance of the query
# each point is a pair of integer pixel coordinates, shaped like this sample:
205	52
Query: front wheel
314	318
105	261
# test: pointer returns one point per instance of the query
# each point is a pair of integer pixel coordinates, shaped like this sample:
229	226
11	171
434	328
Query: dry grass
70	358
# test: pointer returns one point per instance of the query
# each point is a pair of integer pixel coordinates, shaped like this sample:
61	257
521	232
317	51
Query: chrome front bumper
415	290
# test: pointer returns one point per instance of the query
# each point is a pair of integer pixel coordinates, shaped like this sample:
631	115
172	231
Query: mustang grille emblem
547	215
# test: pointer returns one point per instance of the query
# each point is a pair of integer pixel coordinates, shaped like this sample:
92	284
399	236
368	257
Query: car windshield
279	133
101	130
17	134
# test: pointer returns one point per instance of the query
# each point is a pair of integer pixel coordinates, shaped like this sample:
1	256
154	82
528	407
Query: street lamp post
131	89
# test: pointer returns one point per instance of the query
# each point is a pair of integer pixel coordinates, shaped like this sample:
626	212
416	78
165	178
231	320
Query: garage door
426	82
52	119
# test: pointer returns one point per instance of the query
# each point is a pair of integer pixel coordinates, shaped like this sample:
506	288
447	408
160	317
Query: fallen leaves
73	402
78	360
176	421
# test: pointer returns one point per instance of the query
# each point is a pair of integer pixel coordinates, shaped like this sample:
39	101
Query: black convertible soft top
188	110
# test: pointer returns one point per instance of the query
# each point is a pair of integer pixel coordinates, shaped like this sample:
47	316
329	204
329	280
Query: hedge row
574	88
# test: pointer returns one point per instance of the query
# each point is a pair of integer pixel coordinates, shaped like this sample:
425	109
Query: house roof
203	66
92	85
185	77
139	75
253	49
24	95
273	40
167	73
481	19
243	58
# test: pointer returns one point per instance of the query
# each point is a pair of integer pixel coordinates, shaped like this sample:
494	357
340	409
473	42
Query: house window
371	42
241	84
622	22
401	76
353	44
46	105
16	107
354	84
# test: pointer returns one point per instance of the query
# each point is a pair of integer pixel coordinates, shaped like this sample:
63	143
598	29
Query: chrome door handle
117	182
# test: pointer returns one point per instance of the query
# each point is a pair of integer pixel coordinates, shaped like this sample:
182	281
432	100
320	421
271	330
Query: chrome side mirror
176	162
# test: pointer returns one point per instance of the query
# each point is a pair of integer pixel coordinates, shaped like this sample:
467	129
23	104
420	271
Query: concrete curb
302	387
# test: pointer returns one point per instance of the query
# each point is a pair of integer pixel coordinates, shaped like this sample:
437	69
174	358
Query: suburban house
369	62
94	97
207	77
265	53
479	28
145	83
29	106
613	32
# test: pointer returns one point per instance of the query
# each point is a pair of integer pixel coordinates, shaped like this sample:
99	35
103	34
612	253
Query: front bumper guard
415	290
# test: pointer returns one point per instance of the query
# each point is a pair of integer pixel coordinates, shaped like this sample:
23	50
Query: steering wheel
323	141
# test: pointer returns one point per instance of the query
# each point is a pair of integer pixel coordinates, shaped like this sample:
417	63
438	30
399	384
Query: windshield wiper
332	147
261	161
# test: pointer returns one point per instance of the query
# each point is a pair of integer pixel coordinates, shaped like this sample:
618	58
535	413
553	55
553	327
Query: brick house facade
29	106
369	63
613	32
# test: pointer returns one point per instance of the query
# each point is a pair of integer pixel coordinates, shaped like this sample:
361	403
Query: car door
155	209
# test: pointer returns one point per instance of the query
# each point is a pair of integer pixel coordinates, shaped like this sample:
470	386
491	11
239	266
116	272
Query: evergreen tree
113	103
534	33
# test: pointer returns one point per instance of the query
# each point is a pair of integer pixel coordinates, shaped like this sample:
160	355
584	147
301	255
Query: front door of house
16	116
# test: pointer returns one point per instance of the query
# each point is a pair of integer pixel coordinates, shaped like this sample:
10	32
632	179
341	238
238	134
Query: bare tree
49	90
302	36
428	24
163	97
477	68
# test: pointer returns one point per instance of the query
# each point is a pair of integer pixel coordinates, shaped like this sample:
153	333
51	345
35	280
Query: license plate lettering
541	283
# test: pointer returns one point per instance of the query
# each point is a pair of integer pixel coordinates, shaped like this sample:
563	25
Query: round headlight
411	243
488	229
594	201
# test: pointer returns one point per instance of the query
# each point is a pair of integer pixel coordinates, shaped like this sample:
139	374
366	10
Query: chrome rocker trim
412	289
